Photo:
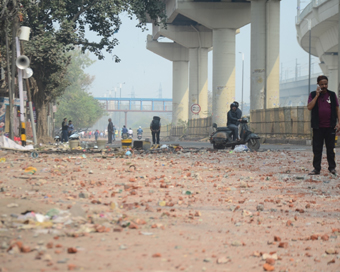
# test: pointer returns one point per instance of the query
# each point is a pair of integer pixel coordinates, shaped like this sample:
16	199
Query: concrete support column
258	54
223	73
179	91
333	79
273	54
330	69
265	54
179	56
198	81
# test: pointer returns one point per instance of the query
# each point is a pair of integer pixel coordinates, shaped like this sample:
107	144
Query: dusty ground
168	212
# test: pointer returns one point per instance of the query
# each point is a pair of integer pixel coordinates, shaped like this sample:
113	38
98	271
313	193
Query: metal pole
339	50
120	96
119	102
242	79
310	57
30	105
21	96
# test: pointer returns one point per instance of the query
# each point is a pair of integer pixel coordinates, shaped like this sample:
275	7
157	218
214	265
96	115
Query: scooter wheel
254	144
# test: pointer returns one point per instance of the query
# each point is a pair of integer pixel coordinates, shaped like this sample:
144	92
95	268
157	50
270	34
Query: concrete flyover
322	18
204	25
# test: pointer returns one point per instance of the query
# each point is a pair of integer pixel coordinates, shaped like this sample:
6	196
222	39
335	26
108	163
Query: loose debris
171	208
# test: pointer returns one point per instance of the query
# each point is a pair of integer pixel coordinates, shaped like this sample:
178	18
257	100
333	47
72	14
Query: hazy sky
143	71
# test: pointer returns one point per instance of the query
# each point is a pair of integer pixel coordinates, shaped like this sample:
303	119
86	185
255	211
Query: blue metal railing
135	104
134	99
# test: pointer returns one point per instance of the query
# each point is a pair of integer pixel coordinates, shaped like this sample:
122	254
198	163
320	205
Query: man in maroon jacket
325	122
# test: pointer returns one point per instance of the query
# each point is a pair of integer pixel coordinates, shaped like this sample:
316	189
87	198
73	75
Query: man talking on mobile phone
325	121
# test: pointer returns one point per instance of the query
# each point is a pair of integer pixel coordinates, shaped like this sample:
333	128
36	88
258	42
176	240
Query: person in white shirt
130	132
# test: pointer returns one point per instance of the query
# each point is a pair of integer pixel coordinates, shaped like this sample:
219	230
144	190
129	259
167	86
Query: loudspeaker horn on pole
28	72
22	62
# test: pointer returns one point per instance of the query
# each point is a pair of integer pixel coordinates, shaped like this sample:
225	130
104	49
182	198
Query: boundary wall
284	122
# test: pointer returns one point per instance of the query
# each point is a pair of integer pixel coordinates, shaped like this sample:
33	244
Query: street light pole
120	97
242	79
310	56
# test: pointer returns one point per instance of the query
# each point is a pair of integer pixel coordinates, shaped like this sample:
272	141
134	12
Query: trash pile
73	222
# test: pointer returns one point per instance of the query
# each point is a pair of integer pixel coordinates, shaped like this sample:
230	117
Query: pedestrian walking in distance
155	128
109	131
64	128
325	122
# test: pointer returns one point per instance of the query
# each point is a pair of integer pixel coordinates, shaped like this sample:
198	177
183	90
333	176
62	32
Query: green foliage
49	62
76	104
69	19
57	26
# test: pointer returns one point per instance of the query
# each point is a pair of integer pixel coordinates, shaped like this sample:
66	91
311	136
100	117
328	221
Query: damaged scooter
222	137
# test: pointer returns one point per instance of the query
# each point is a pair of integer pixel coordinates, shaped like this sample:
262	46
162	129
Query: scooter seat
223	129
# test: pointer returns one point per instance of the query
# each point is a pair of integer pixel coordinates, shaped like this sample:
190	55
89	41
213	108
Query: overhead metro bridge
112	104
126	105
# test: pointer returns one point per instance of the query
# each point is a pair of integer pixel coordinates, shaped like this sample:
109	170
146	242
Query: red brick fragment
283	245
325	237
289	223
49	245
71	267
277	239
268	267
270	261
72	250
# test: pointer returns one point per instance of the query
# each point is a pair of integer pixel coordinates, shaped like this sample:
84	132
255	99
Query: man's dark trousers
234	128
109	133
155	135
320	136
64	136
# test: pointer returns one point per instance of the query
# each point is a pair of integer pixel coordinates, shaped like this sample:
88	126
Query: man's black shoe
314	172
333	171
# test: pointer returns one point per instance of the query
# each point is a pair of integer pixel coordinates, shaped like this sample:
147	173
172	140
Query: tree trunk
40	103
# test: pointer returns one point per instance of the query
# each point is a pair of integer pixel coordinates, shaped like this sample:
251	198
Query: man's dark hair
65	118
321	78
69	121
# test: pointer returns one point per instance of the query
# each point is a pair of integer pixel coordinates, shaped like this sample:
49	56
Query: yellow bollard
23	134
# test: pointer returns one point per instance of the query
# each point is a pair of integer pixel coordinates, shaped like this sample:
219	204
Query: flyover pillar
224	18
198	85
179	56
223	73
265	54
198	40
180	91
331	62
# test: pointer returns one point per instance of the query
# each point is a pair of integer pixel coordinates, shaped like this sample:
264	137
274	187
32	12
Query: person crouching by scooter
234	120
